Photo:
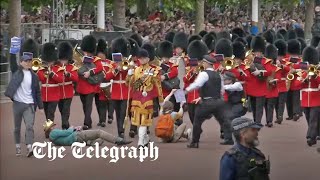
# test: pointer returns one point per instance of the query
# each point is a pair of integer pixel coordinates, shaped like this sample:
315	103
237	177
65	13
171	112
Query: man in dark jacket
24	91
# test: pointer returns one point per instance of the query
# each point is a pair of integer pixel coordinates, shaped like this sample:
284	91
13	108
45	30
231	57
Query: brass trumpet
313	70
36	64
228	64
77	56
127	63
290	76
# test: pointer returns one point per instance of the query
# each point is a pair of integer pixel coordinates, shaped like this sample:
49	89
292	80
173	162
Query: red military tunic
119	89
189	79
273	91
50	88
66	87
107	67
310	92
282	82
84	87
254	86
172	73
295	84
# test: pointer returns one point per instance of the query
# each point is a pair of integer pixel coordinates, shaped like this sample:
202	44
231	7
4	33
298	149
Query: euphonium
77	56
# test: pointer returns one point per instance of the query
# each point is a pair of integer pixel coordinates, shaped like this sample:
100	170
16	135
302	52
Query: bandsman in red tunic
117	76
196	51
70	73
51	75
89	73
310	93
102	96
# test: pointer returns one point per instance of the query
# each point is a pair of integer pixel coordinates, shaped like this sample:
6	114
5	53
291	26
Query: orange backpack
165	126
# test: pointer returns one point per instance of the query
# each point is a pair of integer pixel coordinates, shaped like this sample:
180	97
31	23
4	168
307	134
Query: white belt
283	79
119	82
50	85
103	85
310	89
65	83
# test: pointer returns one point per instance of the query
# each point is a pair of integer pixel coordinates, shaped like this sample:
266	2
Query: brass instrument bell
36	64
290	76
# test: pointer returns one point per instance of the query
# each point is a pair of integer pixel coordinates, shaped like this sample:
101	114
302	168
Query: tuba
77	56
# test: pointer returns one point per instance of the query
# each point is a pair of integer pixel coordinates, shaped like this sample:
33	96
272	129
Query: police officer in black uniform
244	161
209	83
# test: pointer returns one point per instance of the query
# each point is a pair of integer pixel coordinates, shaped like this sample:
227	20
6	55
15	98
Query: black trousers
312	116
257	104
120	106
103	107
50	109
156	107
269	108
87	100
205	110
236	110
293	103
192	111
64	108
281	101
176	108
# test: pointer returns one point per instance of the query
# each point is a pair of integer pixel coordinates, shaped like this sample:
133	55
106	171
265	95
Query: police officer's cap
229	76
209	59
243	122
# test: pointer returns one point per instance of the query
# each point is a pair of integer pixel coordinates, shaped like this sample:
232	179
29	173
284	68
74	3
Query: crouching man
67	137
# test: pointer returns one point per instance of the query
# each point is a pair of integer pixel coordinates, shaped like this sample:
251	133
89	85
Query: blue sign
15	45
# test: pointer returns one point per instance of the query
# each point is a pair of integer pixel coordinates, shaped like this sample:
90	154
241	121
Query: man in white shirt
210	88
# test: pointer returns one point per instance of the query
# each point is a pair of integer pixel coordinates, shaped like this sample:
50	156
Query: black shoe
296	117
278	121
311	142
121	135
269	125
122	142
227	142
103	124
289	118
132	133
85	127
110	121
222	135
318	138
148	131
193	145
99	124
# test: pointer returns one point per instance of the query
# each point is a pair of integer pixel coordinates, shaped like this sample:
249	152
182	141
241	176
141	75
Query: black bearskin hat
49	52
315	41
180	40
258	44
300	33
137	38
212	33
134	47
302	43
197	49
203	33
30	46
311	55
194	37
291	34
282	47
279	36
89	44
294	46
234	37
65	50
151	50
271	52
210	41
223	34
121	45
242	40
283	32
239	31
165	49
224	46
102	46
169	36
239	50
269	36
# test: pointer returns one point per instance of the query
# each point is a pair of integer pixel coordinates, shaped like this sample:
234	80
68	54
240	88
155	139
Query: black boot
122	142
132	133
296	117
227	142
311	142
193	145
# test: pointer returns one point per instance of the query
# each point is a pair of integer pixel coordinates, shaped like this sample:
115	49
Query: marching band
268	71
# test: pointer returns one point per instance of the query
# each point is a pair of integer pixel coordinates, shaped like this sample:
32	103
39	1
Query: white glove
130	72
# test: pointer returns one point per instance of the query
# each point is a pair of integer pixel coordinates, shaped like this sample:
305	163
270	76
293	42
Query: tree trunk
199	16
14	18
309	18
142	9
119	14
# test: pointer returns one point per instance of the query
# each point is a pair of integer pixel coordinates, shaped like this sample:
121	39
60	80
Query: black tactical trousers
269	108
64	108
87	100
205	110
257	104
